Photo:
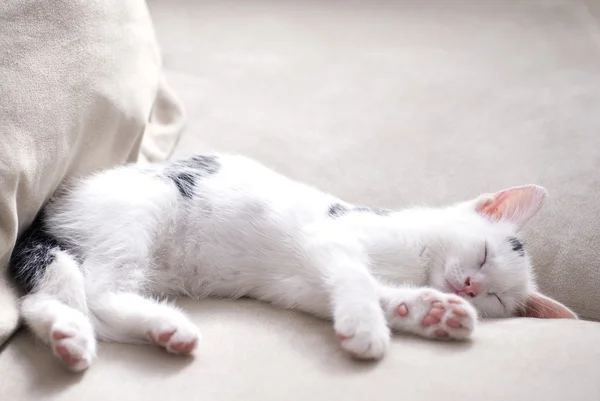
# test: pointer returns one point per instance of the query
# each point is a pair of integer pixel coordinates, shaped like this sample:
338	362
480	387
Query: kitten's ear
516	205
542	307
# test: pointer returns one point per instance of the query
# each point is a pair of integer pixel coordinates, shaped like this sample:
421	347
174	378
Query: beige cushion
251	351
79	82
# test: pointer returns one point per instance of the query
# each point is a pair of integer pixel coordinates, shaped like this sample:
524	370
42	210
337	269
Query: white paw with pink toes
73	342
431	313
180	337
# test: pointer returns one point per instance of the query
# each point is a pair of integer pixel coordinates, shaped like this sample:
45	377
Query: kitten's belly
282	281
262	261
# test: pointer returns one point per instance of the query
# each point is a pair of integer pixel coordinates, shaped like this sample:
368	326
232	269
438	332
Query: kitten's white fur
248	231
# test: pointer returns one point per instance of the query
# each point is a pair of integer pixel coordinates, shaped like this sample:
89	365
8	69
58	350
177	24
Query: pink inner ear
495	207
542	307
515	204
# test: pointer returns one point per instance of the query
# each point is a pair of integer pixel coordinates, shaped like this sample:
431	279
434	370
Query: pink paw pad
440	333
62	350
162	338
65	355
183	347
402	310
435	314
459	312
59	335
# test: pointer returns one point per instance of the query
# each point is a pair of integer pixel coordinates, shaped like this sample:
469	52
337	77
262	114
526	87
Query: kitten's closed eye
498	298
485	255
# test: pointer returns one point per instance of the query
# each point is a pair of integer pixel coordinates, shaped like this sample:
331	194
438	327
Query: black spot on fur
337	210
206	164
185	182
34	251
186	173
517	245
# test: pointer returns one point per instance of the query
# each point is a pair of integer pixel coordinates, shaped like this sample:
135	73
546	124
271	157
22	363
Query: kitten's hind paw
74	344
179	338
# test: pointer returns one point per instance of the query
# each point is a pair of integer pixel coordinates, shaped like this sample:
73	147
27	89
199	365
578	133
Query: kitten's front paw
73	343
178	338
363	335
432	314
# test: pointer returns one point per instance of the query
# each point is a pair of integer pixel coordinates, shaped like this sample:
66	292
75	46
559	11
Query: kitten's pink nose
471	288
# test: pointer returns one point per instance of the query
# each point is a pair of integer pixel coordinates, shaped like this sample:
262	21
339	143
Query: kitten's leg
56	312
428	312
131	318
358	319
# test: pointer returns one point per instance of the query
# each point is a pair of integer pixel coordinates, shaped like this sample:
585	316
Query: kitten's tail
41	265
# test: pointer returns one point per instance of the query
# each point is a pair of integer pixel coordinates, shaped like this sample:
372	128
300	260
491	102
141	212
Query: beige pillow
80	85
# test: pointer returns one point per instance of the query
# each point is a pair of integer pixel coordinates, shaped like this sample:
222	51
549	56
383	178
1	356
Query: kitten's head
481	256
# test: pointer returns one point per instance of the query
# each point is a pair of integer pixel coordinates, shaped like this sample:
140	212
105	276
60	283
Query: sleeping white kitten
100	254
